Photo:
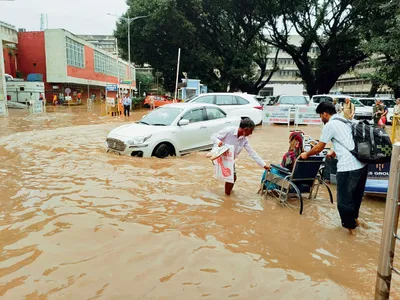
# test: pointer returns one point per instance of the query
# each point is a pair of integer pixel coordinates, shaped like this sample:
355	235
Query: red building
67	61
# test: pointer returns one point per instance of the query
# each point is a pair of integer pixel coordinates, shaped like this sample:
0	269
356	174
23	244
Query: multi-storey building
105	42
67	61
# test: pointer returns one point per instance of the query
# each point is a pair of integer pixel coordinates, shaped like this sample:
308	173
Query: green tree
146	81
213	35
337	28
384	49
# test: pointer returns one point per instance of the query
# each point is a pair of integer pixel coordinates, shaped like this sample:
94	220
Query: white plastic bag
224	165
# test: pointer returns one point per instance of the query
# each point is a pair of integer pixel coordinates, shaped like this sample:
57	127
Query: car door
195	134
217	119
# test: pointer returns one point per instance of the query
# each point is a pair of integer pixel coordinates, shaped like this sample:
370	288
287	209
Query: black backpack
372	143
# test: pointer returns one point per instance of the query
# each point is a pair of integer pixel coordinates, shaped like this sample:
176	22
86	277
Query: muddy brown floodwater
78	223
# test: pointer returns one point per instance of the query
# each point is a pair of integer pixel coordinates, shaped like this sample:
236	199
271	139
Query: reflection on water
77	222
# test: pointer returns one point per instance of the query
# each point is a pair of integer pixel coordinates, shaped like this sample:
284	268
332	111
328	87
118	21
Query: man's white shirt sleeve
253	154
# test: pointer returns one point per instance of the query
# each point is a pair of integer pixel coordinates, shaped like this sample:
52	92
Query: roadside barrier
299	115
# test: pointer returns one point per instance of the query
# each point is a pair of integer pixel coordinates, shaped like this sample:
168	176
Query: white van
24	91
362	112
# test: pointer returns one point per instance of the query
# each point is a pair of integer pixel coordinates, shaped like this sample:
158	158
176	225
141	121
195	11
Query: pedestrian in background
152	103
55	99
377	111
127	105
351	174
383	119
338	107
348	109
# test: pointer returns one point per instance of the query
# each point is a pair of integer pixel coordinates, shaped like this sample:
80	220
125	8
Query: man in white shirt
127	105
351	173
237	137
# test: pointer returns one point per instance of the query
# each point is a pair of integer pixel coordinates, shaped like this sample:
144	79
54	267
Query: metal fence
389	231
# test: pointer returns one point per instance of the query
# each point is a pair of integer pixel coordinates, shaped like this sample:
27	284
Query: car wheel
162	151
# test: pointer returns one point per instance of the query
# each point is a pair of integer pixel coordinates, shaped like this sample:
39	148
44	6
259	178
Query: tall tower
41	22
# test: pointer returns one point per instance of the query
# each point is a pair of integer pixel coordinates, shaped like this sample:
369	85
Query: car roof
290	95
187	105
229	94
334	96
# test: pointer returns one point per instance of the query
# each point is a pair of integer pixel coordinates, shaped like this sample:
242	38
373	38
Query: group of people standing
380	110
351	173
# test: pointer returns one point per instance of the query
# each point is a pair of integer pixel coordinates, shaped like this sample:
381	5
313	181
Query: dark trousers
350	192
126	110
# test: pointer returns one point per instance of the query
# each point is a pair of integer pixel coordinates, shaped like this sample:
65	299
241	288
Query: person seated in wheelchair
288	160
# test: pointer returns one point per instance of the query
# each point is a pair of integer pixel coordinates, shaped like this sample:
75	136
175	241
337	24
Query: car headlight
138	140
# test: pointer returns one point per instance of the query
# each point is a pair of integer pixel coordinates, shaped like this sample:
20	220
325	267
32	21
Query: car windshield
163	116
293	100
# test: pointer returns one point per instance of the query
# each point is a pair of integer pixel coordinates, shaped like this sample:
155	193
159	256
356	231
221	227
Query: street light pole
129	20
129	47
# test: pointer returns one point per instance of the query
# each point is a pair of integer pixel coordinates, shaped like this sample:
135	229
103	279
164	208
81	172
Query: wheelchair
288	187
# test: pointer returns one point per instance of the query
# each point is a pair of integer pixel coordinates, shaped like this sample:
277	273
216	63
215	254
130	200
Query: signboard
111	87
68	91
126	81
276	114
379	171
110	101
306	115
37	107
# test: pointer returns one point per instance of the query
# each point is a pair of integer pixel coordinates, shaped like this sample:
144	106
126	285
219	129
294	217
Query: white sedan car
235	104
172	129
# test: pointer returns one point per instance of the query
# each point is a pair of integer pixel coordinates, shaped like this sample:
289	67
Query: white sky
77	16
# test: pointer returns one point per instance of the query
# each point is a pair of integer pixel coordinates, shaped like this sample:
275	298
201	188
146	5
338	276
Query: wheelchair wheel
291	198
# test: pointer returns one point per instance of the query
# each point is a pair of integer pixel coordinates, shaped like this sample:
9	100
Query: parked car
235	104
390	103
158	101
289	101
173	129
362	112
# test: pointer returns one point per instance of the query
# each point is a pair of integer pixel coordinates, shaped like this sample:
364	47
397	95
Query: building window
75	56
105	64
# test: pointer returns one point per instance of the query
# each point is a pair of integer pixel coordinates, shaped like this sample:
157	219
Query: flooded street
79	223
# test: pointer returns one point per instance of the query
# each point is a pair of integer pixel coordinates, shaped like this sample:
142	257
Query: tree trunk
374	89
396	91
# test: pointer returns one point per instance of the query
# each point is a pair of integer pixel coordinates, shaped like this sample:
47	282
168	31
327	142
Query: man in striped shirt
351	173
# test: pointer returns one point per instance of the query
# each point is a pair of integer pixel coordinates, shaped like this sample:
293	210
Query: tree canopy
221	41
384	49
337	28
225	43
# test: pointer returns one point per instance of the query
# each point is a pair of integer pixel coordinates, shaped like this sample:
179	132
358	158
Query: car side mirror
183	122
